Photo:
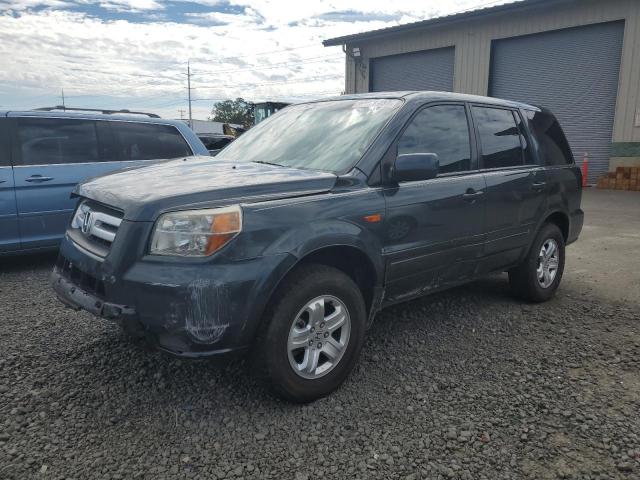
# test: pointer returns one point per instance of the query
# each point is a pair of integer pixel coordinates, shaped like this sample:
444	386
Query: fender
542	221
310	238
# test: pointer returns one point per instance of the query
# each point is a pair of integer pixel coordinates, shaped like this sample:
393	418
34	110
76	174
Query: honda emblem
86	223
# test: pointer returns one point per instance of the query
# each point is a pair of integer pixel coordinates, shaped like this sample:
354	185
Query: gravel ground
468	384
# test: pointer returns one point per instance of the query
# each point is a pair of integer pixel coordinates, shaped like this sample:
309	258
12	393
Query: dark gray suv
289	243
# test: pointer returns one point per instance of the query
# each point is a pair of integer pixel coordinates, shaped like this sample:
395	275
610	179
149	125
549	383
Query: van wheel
537	278
315	328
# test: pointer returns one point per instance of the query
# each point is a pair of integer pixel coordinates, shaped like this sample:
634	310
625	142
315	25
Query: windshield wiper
268	163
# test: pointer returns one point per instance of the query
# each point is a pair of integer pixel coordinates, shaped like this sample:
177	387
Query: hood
199	182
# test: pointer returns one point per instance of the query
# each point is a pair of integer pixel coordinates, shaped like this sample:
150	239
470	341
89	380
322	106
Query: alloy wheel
548	262
318	337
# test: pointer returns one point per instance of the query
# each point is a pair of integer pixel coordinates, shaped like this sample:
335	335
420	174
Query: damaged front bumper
189	309
76	298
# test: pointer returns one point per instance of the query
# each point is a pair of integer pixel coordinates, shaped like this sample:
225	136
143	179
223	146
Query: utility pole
63	105
181	111
189	88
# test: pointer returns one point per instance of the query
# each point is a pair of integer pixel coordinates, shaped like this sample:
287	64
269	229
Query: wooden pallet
624	178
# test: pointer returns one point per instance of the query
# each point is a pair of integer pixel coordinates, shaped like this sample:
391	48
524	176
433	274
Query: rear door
516	185
434	228
51	156
9	233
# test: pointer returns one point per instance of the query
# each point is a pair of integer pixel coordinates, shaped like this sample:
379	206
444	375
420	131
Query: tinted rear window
42	141
5	153
499	137
215	143
552	144
146	141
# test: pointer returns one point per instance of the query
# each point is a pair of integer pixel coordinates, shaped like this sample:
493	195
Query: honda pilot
287	246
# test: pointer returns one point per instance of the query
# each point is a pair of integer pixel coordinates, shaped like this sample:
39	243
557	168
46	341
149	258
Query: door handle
38	179
538	186
472	194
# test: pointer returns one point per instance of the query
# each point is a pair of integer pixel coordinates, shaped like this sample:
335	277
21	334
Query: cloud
134	53
246	18
358	16
130	5
21	5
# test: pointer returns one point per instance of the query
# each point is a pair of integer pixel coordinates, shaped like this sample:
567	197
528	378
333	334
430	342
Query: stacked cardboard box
624	178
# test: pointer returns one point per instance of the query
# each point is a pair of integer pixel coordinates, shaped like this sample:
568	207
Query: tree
237	111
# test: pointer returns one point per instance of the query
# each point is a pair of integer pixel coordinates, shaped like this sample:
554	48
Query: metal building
580	58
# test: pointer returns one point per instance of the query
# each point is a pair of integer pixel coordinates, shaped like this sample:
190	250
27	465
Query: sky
133	53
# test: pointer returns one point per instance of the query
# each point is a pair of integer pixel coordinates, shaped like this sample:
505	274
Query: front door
516	186
9	233
435	228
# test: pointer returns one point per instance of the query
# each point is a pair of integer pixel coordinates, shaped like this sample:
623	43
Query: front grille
85	281
94	227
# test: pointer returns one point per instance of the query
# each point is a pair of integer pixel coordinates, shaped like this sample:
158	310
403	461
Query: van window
443	130
215	143
5	152
43	141
499	137
552	143
148	141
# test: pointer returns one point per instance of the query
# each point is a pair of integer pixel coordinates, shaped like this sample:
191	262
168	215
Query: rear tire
537	278
317	315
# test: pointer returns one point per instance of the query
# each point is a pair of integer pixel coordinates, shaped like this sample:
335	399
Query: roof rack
106	112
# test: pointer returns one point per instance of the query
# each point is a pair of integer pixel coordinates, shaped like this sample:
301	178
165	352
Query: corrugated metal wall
472	41
427	70
573	72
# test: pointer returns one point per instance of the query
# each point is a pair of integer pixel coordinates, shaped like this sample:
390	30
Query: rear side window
500	138
5	152
215	143
552	143
443	130
147	141
42	141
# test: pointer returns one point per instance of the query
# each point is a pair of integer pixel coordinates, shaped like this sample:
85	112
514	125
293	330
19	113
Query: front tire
315	328
537	278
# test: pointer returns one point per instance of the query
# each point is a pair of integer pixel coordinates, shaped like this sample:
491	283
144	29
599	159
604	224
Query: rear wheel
315	330
539	275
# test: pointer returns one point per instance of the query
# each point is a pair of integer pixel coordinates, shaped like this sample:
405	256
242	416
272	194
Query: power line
223	59
130	74
202	72
306	95
285	82
273	65
269	53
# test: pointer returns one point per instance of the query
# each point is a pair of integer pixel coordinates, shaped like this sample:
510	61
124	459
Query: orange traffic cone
585	168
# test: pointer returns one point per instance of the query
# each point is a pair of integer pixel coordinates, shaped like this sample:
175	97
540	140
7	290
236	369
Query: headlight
195	233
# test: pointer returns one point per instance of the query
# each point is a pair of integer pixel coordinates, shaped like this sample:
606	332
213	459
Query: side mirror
415	166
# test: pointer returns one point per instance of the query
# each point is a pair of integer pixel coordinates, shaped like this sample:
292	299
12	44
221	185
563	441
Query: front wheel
537	278
316	327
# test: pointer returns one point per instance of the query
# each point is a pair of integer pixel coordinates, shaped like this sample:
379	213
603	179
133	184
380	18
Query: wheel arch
351	260
561	220
556	217
349	257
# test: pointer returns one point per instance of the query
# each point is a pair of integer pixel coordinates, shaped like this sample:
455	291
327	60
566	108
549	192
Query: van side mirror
415	166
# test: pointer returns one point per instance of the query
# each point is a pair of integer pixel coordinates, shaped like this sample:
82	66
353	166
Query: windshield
330	136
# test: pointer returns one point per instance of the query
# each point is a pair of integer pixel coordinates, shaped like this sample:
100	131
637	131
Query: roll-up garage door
573	72
425	70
